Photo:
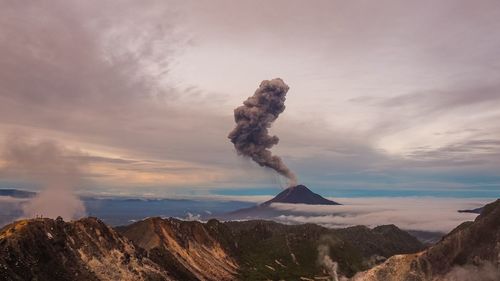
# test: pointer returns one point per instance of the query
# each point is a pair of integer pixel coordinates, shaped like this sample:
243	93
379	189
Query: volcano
299	194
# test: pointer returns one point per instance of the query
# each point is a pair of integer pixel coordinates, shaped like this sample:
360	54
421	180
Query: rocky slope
469	252
262	250
187	249
87	249
170	249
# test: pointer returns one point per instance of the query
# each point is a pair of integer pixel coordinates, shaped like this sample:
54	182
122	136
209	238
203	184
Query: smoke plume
328	264
48	164
482	272
253	119
325	260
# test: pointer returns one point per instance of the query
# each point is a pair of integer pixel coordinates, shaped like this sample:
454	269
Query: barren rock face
193	253
470	252
171	249
87	249
261	250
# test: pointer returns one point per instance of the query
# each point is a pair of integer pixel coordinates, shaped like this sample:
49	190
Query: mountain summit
299	194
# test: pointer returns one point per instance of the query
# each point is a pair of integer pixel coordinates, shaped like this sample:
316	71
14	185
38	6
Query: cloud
425	214
127	82
46	164
468	152
8	200
95	77
440	102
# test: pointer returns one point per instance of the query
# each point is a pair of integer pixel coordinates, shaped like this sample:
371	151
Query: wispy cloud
146	91
93	77
441	102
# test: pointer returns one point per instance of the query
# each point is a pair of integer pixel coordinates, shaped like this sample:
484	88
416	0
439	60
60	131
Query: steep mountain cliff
187	249
170	249
87	249
261	250
469	252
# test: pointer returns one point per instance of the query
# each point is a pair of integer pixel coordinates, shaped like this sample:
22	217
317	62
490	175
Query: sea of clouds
409	213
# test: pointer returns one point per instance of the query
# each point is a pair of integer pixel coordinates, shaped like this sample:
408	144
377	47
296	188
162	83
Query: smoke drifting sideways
52	167
253	119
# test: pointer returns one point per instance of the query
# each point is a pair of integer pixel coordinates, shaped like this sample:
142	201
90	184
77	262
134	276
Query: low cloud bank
422	213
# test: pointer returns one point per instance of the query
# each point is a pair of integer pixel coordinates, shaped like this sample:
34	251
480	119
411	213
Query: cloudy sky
387	98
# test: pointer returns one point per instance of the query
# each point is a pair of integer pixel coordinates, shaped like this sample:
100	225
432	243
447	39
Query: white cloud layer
423	214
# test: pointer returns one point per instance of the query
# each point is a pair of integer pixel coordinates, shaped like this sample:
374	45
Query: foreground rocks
469	252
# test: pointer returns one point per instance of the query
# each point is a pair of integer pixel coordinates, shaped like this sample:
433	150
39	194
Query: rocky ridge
171	249
470	252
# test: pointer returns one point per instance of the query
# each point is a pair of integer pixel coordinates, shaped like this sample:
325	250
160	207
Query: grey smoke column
253	119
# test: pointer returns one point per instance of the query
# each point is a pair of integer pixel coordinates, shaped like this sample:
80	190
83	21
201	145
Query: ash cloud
47	164
253	119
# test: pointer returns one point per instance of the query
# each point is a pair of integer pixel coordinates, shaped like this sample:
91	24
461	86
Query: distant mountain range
17	193
121	210
171	249
124	210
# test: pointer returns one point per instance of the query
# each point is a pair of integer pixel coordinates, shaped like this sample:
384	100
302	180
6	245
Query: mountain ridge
86	249
471	251
171	249
156	249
